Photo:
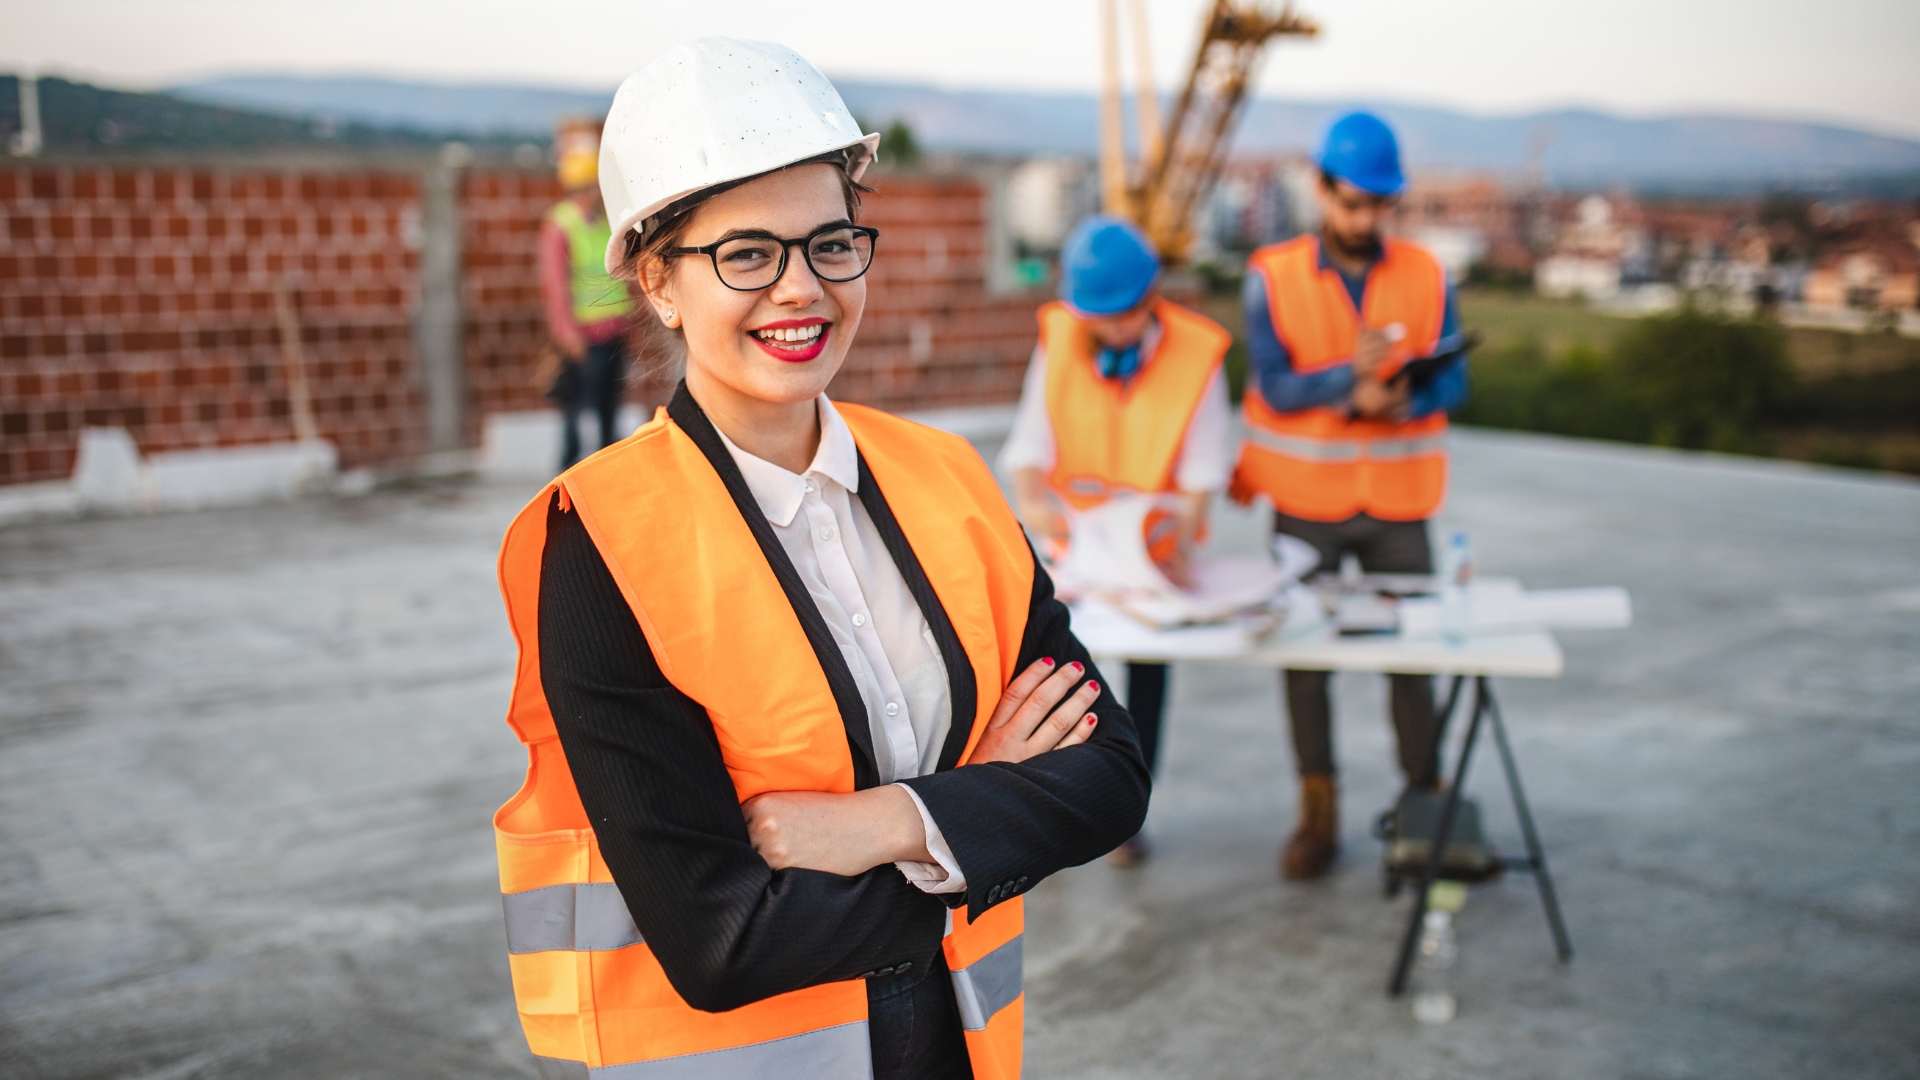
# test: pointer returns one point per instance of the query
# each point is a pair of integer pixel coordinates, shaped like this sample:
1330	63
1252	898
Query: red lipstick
798	351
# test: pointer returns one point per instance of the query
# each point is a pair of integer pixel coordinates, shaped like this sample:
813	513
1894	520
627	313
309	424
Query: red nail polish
1094	686
1089	719
1076	666
1047	660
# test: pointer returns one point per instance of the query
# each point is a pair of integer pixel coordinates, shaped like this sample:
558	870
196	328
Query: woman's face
782	343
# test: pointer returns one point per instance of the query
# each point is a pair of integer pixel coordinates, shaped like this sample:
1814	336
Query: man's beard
1368	248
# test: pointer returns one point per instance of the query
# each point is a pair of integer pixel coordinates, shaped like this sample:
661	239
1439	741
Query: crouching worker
804	718
1125	393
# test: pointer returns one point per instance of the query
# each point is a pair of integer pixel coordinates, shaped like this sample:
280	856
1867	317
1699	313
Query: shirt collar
779	492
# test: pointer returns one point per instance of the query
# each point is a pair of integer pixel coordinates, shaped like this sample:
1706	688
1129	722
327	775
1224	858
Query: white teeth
791	333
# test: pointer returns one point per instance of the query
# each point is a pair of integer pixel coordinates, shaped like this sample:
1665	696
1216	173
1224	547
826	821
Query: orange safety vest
1317	464
592	999
1112	437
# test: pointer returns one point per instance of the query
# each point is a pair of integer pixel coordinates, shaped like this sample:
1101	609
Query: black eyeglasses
755	261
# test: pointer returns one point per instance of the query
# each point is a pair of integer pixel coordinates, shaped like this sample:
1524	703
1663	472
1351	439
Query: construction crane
1179	166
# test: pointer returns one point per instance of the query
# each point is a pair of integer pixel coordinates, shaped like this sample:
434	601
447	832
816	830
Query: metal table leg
1536	855
1404	964
1483	705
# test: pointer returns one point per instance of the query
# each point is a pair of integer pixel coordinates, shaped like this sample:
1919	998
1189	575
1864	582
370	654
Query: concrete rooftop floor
247	761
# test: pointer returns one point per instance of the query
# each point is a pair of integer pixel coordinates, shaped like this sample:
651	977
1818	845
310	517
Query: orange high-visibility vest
1317	464
1111	437
592	999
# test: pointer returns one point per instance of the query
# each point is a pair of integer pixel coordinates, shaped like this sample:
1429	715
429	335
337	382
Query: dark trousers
1146	701
602	379
1383	547
913	1025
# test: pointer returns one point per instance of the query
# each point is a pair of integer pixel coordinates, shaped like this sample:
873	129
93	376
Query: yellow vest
1111	436
590	994
596	296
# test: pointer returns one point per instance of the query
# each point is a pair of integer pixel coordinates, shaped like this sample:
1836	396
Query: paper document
1108	560
1500	605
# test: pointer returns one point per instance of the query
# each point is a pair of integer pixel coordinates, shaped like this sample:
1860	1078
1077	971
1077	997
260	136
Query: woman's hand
840	833
1037	714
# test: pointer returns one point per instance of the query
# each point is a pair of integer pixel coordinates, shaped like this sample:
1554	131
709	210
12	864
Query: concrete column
438	323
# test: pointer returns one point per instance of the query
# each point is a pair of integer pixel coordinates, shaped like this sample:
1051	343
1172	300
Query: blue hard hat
1107	266
1361	150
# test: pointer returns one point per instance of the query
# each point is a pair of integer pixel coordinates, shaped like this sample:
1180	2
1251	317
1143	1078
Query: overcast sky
1851	61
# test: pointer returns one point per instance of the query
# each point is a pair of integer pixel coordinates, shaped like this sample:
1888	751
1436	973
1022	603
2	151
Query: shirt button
826	534
859	620
893	709
809	486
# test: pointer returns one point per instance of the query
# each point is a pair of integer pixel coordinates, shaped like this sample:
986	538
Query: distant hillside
475	108
78	119
1585	148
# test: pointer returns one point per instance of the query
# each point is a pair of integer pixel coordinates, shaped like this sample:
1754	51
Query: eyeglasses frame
712	252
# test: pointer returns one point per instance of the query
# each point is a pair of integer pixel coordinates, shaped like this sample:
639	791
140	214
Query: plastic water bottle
1456	573
1433	1001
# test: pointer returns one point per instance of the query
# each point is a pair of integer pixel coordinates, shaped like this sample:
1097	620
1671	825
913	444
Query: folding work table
1306	639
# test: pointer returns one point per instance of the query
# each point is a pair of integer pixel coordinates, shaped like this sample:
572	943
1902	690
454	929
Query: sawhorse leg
1483	706
1536	855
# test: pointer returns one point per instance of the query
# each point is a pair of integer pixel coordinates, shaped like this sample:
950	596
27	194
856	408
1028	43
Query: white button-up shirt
873	617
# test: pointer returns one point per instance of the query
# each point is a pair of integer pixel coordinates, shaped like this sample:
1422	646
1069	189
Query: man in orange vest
1125	394
1356	356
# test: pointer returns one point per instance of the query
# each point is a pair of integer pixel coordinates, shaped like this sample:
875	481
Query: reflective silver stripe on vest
1345	451
988	985
1402	449
835	1053
590	917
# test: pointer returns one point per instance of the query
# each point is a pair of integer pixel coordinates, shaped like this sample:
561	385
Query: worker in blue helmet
1354	342
1125	397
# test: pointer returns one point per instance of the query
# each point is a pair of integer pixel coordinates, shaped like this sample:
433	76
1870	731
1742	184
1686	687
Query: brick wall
932	334
144	298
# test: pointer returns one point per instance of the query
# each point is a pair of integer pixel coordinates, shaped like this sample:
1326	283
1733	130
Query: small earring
671	315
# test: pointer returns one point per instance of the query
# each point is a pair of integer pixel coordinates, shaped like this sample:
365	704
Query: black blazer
726	928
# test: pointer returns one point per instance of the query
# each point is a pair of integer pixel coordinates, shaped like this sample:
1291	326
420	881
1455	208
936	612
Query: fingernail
1094	686
1090	719
1047	660
1076	666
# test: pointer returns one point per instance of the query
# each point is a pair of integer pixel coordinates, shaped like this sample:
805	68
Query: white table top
1307	640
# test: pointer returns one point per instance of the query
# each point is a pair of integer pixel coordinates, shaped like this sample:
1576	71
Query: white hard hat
712	110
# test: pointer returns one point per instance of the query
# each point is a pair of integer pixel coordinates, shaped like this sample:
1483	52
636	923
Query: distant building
1882	277
1471	219
1044	196
1868	260
1603	248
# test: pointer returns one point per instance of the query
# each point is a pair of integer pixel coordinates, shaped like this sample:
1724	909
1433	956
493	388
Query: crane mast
1180	163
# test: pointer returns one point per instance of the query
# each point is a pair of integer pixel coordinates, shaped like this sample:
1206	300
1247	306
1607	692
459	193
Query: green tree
1704	380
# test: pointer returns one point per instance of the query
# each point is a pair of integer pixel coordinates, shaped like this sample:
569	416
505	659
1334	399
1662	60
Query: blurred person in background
588	312
804	718
1126	393
1345	439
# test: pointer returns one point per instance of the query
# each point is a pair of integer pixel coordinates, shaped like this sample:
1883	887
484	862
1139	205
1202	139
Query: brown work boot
1316	840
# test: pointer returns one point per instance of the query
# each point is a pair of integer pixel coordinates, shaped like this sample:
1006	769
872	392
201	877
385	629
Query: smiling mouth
791	337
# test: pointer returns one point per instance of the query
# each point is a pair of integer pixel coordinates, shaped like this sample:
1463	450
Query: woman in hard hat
1125	394
804	717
